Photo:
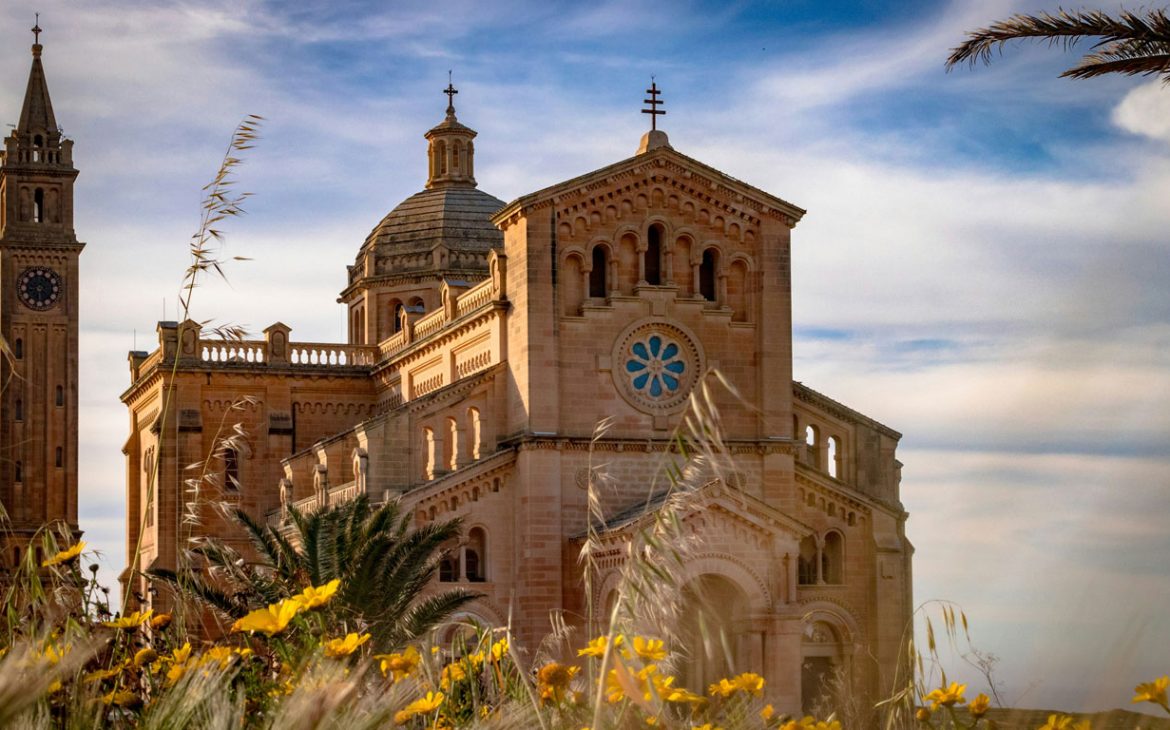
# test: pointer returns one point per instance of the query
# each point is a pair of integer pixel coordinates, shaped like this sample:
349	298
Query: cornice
805	394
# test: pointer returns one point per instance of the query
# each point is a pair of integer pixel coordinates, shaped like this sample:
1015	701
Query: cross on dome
450	91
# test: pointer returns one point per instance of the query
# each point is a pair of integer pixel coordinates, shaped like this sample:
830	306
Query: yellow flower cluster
337	648
421	706
748	682
946	696
1065	722
808	722
130	621
553	680
276	617
400	665
1154	692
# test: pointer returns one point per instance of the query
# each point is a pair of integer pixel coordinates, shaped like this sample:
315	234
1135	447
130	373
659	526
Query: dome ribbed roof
459	217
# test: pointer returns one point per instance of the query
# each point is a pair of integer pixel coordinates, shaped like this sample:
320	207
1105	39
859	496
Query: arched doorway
823	660
712	608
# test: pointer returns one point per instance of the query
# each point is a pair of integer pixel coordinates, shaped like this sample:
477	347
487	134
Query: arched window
38	205
475	428
18	472
476	555
451	446
60	396
428	453
442	148
449	565
654	255
812	439
834	457
18	349
18	410
396	325
833	558
806	574
707	280
60	457
597	282
231	469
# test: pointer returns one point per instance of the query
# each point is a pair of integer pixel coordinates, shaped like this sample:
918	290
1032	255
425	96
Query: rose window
655	366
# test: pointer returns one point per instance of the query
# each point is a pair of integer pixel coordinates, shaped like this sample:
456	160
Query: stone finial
652	140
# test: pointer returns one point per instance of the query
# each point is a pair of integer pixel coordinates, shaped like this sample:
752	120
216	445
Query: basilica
487	340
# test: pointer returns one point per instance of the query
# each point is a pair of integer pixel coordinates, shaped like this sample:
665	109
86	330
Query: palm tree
1132	43
383	565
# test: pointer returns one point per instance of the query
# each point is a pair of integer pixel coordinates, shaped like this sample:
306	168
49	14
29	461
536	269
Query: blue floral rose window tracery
655	366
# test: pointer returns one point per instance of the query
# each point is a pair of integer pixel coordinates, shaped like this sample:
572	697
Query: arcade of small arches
656	256
822	559
465	560
821	452
451	441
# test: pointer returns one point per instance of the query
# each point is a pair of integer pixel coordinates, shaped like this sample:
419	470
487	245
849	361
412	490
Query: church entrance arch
825	659
713	608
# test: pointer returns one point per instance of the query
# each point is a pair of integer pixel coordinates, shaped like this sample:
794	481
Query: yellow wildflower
808	722
100	675
344	647
421	706
651	649
400	665
144	657
767	712
1153	692
55	686
648	681
53	654
130	621
1064	722
271	620
160	621
706	726
64	555
681	694
499	651
451	673
979	705
947	696
122	698
182	654
596	648
922	714
313	597
224	655
553	680
748	682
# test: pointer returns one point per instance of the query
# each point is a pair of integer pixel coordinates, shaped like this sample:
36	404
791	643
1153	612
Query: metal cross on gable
653	101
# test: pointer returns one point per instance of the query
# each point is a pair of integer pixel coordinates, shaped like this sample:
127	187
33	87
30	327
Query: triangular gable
664	160
714	496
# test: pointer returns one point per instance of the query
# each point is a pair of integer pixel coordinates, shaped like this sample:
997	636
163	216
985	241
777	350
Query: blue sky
982	267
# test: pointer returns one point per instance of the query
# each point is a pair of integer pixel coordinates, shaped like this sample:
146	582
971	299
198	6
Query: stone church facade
487	340
39	254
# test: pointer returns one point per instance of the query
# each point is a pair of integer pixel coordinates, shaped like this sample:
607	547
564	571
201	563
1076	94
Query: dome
458	217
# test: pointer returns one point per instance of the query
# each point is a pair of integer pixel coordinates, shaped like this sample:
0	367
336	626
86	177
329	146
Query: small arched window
834	457
18	410
231	469
38	205
60	457
60	396
18	472
451	446
654	255
812	439
429	460
475	428
806	572
18	349
396	325
449	566
476	555
707	275
833	558
597	283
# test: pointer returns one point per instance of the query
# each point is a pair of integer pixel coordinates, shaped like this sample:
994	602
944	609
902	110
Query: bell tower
38	319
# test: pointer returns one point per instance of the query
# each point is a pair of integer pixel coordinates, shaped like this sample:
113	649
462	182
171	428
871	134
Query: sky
983	265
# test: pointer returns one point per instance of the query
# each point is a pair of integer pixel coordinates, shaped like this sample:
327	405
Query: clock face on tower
39	287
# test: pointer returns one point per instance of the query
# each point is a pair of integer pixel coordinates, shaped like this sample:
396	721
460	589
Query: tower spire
450	151
37	113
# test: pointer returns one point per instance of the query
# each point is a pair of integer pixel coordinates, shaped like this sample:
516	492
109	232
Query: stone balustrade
474	298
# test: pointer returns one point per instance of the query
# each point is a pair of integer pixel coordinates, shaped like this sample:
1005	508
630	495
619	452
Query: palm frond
1129	57
1151	28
